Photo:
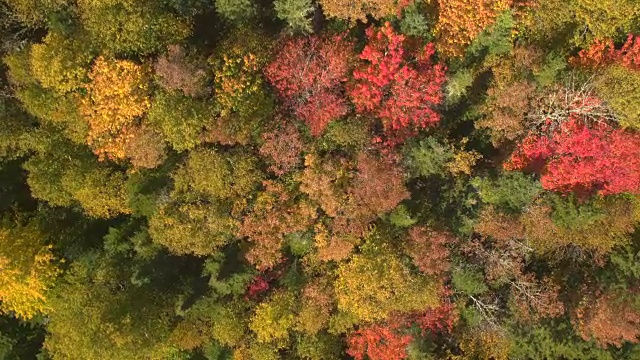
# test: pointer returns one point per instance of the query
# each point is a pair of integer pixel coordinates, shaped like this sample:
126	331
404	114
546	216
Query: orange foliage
460	21
379	342
275	214
283	148
117	94
609	321
428	250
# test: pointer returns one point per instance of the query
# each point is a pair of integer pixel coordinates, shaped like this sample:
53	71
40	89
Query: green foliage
319	347
98	189
428	157
345	134
98	314
554	341
620	88
180	119
414	22
296	13
457	85
61	63
510	192
127	26
211	174
496	40
236	11
552	68
571	213
192	228
274	318
469	281
401	217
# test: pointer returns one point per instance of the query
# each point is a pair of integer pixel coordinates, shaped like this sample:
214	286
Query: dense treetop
330	179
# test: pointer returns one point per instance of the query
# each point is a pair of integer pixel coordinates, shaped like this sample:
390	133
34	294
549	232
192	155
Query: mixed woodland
319	179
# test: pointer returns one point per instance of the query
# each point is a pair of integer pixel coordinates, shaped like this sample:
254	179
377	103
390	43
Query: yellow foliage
117	95
60	63
606	18
372	287
28	270
463	162
358	9
461	21
274	318
484	345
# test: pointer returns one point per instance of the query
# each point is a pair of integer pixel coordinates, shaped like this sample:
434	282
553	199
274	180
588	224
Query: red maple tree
308	73
379	342
400	87
581	158
603	53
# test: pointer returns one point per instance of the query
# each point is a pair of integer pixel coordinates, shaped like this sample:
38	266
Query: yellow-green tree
372	285
28	270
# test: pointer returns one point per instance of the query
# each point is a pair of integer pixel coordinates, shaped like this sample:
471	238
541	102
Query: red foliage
307	73
583	159
603	53
437	320
387	86
258	286
378	342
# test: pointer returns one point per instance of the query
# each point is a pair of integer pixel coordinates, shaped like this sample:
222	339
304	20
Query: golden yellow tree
28	270
117	95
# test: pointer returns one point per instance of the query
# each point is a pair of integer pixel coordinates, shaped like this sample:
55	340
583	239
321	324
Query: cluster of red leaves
378	342
582	159
439	319
603	53
428	250
308	73
391	86
257	286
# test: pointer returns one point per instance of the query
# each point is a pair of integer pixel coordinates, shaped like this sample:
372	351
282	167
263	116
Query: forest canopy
319	179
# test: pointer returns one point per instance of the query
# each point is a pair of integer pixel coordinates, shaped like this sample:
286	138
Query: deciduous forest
319	179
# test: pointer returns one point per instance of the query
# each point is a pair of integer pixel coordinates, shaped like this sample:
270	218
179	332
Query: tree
176	70
608	320
274	318
275	213
386	85
98	313
353	10
308	74
460	22
29	270
117	94
65	174
379	342
60	62
129	27
180	119
582	159
371	286
297	14
216	175
145	148
282	148
237	11
428	250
